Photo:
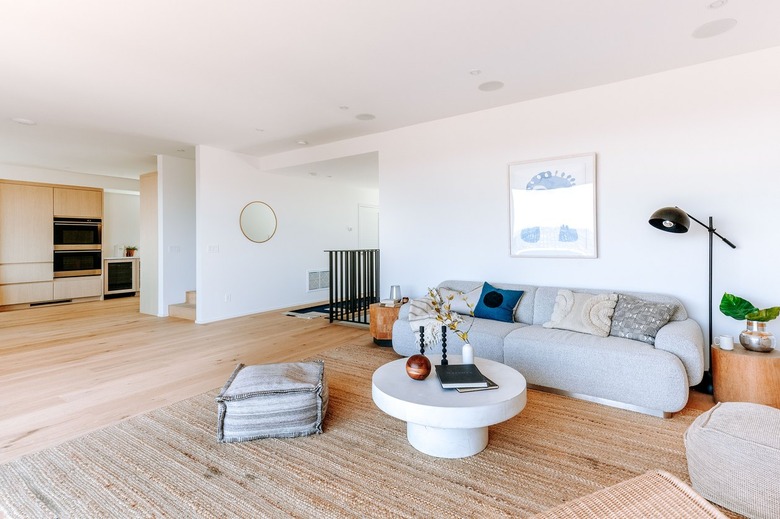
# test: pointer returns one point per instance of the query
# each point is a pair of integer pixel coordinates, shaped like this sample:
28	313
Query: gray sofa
626	373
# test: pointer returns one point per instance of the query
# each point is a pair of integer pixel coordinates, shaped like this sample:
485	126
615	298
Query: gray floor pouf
272	401
733	453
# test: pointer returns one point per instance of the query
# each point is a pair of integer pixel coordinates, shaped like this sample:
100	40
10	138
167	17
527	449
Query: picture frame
553	207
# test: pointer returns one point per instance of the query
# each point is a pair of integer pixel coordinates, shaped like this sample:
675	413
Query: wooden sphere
418	367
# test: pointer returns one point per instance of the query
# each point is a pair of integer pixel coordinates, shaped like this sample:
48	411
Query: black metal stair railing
354	284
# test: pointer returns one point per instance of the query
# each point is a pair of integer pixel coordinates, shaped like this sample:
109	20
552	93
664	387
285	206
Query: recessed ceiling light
714	28
717	4
490	86
302	143
365	117
22	120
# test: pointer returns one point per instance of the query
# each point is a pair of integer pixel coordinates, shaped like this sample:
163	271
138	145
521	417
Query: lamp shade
671	219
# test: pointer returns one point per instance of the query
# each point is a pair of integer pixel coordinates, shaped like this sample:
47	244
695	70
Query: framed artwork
553	207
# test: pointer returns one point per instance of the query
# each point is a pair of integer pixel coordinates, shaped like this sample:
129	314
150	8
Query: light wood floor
68	370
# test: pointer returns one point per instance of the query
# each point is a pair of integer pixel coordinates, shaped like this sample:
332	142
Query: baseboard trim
604	401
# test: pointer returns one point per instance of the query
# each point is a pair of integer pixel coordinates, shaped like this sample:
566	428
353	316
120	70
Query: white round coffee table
443	422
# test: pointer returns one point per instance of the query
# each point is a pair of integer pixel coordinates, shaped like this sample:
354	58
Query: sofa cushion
581	312
524	313
497	303
544	301
612	368
461	302
638	319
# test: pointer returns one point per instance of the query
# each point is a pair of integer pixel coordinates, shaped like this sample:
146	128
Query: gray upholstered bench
272	401
733	453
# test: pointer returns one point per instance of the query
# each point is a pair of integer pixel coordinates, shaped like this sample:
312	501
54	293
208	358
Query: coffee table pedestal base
447	443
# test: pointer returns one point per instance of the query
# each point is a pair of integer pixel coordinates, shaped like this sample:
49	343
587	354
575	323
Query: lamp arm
713	231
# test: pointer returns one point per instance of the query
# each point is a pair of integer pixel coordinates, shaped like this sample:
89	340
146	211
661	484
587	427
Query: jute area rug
167	463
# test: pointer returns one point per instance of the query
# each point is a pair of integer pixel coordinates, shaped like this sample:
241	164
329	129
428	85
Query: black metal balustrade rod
354	284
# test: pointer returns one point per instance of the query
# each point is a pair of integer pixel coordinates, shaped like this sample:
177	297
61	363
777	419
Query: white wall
704	138
149	245
239	277
121	222
176	211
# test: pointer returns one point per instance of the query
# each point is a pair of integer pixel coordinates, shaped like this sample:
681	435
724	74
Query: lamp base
705	386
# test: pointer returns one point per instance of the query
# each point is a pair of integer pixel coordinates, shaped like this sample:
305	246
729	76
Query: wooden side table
740	375
381	323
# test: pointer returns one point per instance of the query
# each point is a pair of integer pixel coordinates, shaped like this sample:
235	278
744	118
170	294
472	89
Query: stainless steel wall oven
77	247
77	234
72	263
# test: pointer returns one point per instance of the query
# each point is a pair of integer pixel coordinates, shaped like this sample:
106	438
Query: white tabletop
425	402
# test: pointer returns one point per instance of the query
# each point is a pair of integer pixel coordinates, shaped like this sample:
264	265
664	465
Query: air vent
318	280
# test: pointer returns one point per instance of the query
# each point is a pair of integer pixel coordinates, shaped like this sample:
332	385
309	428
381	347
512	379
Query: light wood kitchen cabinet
27	212
74	288
22	293
26	272
26	231
78	202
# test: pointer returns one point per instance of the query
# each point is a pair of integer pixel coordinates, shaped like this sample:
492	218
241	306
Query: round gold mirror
258	222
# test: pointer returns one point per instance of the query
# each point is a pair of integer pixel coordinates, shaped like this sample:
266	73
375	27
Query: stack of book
463	377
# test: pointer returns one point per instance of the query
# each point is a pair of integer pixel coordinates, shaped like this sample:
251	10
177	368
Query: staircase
185	310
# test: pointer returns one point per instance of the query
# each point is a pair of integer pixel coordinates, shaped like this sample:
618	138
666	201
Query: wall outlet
213	248
228	297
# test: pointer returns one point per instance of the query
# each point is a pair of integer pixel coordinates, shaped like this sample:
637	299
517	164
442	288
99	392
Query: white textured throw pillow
585	313
462	303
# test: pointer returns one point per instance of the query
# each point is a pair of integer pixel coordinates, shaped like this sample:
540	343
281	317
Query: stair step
191	297
182	311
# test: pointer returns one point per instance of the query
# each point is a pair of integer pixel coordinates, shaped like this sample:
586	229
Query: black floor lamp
674	219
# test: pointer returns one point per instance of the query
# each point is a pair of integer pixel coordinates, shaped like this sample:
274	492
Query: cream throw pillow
462	303
585	313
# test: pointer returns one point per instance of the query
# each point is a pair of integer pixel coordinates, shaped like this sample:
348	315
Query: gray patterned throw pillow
640	320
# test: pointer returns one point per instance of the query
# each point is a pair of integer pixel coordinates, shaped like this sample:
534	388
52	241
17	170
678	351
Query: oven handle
77	248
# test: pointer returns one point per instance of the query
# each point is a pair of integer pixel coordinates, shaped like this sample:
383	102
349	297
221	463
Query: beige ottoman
733	453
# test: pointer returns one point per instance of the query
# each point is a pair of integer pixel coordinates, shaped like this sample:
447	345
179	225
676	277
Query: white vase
468	354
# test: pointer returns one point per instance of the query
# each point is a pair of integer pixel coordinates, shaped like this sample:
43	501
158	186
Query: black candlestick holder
444	360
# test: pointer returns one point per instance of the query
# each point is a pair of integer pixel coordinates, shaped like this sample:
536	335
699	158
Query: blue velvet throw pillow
497	303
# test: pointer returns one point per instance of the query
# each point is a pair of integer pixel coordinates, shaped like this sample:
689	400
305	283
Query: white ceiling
356	170
112	83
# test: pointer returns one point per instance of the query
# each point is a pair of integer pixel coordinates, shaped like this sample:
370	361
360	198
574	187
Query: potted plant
755	337
130	251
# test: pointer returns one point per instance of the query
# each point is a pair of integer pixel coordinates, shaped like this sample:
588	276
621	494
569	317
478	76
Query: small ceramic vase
468	354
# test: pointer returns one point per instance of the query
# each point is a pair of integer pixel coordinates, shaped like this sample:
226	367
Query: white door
368	227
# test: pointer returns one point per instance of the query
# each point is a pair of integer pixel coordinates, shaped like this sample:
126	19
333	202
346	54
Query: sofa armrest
403	312
686	340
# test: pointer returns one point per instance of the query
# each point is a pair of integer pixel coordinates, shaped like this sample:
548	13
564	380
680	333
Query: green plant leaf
767	314
736	307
